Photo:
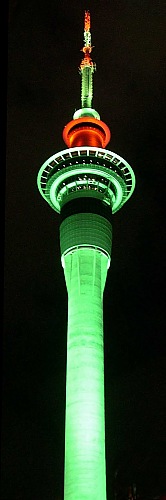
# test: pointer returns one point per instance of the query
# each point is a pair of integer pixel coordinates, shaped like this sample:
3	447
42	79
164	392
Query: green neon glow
85	472
91	154
87	86
86	229
79	113
69	172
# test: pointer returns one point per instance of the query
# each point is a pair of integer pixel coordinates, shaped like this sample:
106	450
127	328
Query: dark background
44	42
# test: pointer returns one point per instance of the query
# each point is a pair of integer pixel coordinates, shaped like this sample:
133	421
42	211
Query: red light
86	131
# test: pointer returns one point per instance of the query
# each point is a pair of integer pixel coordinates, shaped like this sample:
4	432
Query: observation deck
86	172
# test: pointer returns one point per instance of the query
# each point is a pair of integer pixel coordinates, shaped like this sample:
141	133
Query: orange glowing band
86	131
87	20
87	61
87	50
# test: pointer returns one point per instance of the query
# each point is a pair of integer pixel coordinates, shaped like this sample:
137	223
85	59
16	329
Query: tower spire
87	67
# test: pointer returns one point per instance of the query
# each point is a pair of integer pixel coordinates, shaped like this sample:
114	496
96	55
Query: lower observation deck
86	171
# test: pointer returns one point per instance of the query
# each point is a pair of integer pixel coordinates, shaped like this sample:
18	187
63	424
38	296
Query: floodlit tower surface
86	184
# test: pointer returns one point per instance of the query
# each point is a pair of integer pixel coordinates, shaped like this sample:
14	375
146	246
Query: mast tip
87	20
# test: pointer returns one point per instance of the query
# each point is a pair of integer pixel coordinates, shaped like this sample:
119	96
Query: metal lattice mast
87	67
86	184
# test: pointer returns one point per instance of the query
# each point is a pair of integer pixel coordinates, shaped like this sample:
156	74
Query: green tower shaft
85	268
85	477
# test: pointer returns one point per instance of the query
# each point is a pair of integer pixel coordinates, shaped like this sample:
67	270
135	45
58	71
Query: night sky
44	42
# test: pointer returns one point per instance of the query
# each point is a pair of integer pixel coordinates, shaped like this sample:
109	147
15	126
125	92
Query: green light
85	475
87	86
86	230
80	170
79	113
93	159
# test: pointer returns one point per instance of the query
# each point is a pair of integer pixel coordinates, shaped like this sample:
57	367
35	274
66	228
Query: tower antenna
87	67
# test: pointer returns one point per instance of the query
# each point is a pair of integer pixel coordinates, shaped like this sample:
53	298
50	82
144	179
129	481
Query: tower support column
85	272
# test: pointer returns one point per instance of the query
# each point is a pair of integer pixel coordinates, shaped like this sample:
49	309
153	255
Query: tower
85	184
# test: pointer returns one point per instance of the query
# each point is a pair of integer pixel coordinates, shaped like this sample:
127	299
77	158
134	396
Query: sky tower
85	184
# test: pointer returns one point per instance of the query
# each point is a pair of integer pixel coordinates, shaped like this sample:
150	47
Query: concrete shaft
85	475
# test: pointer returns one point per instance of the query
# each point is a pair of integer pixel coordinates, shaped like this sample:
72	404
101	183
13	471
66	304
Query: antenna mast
87	67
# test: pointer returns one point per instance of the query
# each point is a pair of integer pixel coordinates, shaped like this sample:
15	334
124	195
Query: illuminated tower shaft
86	184
85	475
85	271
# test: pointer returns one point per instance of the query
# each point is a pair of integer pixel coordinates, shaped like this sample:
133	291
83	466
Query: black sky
44	42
